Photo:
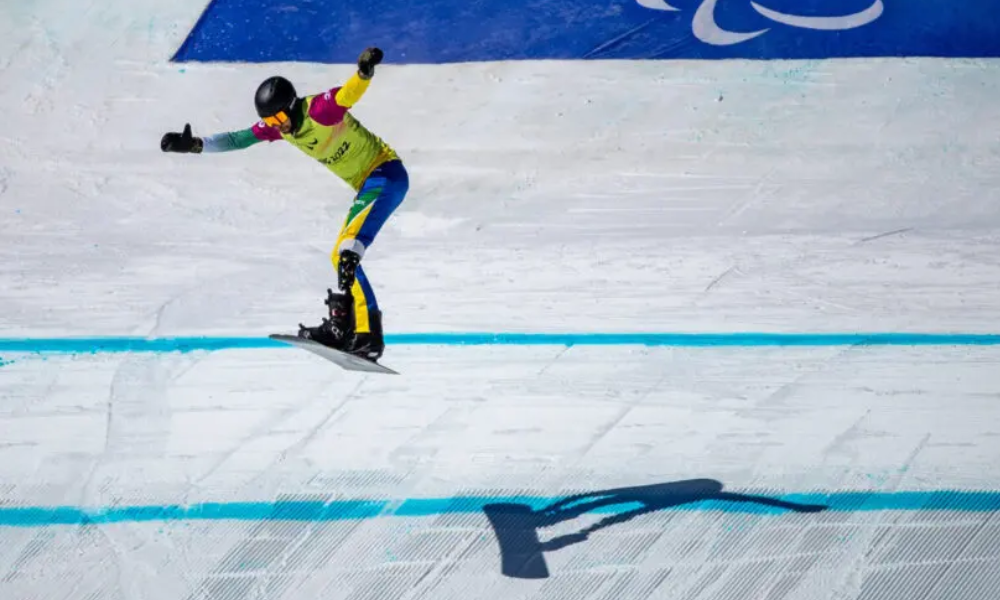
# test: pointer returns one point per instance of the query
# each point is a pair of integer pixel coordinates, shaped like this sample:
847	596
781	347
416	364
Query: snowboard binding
336	330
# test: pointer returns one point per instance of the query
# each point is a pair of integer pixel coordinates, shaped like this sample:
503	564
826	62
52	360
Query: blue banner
450	31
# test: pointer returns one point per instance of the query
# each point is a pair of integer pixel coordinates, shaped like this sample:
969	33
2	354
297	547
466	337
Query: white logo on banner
707	30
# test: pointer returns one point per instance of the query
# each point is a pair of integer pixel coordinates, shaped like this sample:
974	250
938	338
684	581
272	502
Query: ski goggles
277	119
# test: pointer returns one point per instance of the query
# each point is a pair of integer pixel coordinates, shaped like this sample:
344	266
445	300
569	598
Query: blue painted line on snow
188	344
353	510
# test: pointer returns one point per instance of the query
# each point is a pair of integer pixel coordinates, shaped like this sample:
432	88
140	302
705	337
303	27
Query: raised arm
356	86
352	91
329	108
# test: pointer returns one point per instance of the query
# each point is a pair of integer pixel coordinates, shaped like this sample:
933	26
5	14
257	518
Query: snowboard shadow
516	525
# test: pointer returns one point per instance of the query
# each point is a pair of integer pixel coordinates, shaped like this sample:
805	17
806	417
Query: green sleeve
233	140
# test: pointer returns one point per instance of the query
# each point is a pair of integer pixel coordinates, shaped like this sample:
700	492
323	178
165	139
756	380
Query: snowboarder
323	128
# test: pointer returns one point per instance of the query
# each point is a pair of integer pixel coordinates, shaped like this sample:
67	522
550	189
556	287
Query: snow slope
551	196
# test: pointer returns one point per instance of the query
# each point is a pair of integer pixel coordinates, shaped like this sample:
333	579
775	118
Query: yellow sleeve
352	91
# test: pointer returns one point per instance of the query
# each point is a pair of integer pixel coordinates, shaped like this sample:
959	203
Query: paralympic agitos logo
706	28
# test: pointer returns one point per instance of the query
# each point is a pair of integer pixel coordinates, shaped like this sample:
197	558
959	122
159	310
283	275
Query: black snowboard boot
369	345
336	330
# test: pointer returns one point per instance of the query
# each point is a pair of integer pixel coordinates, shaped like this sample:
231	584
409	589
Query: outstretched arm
231	140
220	142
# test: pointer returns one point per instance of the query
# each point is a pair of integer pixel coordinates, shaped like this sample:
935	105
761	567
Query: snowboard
348	362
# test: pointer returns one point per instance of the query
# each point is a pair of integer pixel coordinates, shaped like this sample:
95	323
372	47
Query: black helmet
274	95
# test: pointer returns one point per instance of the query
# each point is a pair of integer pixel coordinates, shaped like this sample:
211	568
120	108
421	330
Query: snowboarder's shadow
516	525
